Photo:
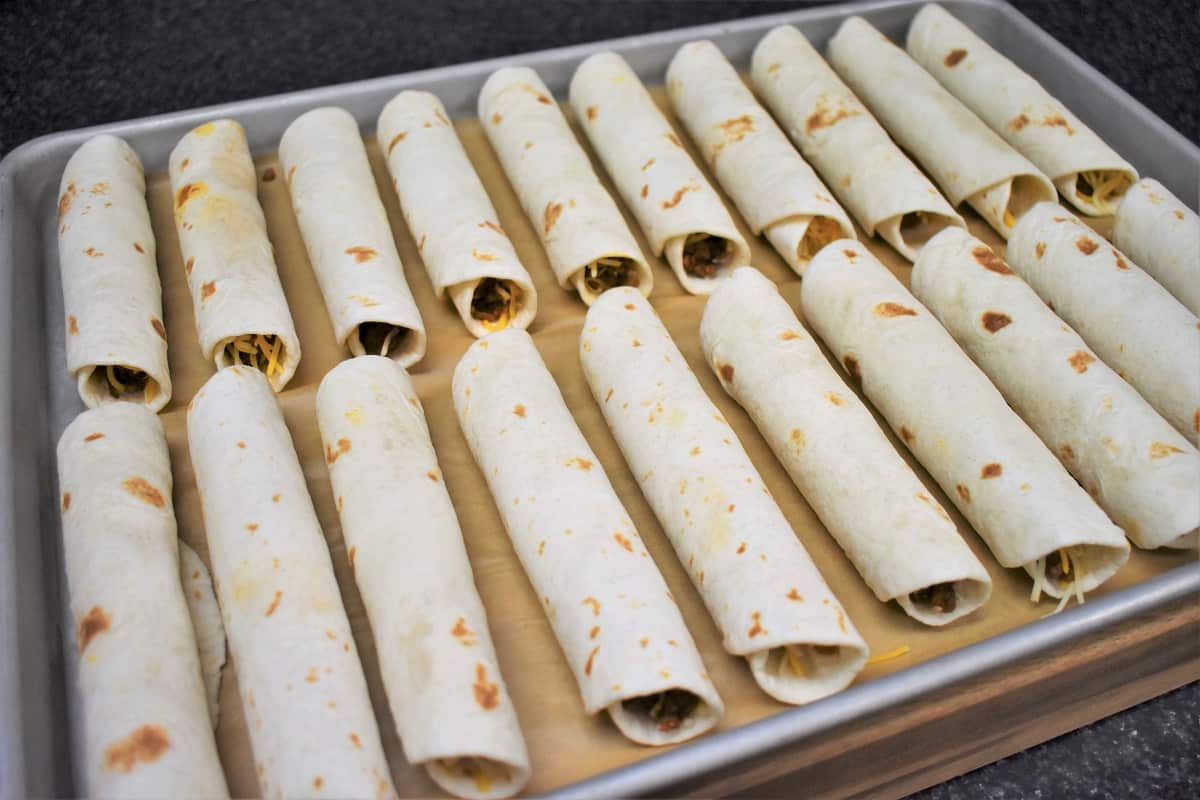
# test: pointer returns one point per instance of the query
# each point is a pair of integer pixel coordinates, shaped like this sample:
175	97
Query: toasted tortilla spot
252	526
834	398
275	497
695	451
647	165
789	335
1058	121
143	490
72	325
462	632
793	594
890	309
824	117
1121	264
623	541
496	118
587	667
95	622
1039	249
963	492
774	67
487	693
1086	245
332	455
954	57
906	434
580	462
487	223
645	190
159	328
1066	452
673	139
591	112
66	501
138	247
1018	122
91	437
726	372
93	252
797	438
64	202
991	470
1162	449
756	629
994	320
318	782
550	216
1079	361
144	746
737	128
207	290
361	253
990	261
187	192
519	409
187	267
594	603
274	603
678	196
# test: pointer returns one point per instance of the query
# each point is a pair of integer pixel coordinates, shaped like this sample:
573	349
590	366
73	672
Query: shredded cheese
113	380
795	661
1009	219
1105	185
898	652
1066	561
509	296
1039	577
261	351
387	342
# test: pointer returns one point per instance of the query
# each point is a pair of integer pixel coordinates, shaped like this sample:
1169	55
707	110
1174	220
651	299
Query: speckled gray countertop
69	64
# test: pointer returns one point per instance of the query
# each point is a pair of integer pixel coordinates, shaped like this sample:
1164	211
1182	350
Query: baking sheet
565	744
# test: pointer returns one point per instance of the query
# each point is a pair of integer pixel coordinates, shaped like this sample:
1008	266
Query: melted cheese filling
1101	188
483	771
261	351
492	292
608	273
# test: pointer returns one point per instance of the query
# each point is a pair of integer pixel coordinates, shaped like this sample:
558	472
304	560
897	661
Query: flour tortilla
1017	496
667	193
1140	470
758	582
111	294
968	160
906	548
229	260
1130	320
206	622
576	219
836	133
447	209
311	725
1016	106
1162	236
348	238
439	667
611	611
145	725
777	192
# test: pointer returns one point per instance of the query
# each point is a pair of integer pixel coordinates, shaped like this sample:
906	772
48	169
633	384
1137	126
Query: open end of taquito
266	352
666	717
1096	192
1071	571
804	672
477	777
1005	202
703	257
909	232
487	305
801	238
941	603
377	338
105	383
609	272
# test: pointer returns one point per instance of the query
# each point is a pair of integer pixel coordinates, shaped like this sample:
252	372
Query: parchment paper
565	744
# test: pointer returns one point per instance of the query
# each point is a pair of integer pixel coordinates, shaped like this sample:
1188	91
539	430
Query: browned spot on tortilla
64	202
591	112
91	437
318	782
1121	264
274	603
678	196
332	454
350	556
774	67
138	247
1086	245
797	437
1162	449
793	594
645	190
963	492
462	632
207	289
636	343
954	56
496	118
726	372
995	320
580	462
736	128
72	325
991	470
95	622
355	740
644	641
241	445
1018	122
990	261
1196	421
1039	249
487	223
1058	121
187	267
608	395
66	501
519	409
1066	452
93	252
834	398
594	603
673	139
187	192
252	526
144	746
268	175
594	632
361	253
550	216
1079	361
890	309
275	497
587	667
143	490
757	627
824	117
906	434
624	542
647	165
789	335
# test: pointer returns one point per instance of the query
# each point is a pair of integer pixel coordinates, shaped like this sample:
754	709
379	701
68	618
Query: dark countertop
69	64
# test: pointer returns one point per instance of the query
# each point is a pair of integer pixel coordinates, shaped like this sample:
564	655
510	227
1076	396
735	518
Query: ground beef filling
380	338
607	273
123	380
704	255
492	301
1055	570
940	597
669	709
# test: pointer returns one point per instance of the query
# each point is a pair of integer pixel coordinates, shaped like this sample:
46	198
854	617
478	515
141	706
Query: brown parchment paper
565	744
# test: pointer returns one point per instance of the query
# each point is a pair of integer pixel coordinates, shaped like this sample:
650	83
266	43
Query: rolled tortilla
456	228
778	194
206	622
902	542
1087	172
116	341
310	720
145	725
587	241
348	238
872	177
1130	320
758	582
611	611
1024	504
1139	469
242	315
1162	236
440	670
969	161
678	210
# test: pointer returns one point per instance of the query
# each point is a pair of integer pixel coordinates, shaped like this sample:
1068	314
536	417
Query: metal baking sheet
37	399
